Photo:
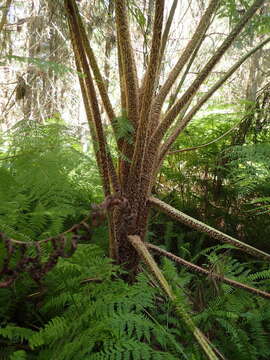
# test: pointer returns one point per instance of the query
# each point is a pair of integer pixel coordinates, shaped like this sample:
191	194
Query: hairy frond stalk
154	269
200	226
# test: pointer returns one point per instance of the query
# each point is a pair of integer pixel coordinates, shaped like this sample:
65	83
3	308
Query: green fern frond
124	129
19	355
16	333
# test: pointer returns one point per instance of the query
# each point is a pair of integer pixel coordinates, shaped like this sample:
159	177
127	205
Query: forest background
217	171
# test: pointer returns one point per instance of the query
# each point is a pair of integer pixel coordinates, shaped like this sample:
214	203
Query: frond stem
128	61
181	312
204	228
198	269
184	122
190	93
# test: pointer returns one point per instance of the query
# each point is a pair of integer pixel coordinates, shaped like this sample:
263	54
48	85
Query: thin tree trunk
4	15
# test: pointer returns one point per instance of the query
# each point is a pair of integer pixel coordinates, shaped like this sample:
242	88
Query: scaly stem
204	228
180	311
199	270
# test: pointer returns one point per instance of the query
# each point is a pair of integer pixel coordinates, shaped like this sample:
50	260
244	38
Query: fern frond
16	333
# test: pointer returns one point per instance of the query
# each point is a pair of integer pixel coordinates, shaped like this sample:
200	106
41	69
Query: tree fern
79	317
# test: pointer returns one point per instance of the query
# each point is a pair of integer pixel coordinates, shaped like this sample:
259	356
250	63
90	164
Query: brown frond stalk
87	108
96	71
189	94
112	173
164	41
104	96
93	114
173	97
109	44
151	264
150	160
152	69
147	92
85	100
184	122
166	32
197	147
191	46
198	269
204	228
113	246
123	146
181	312
128	62
121	77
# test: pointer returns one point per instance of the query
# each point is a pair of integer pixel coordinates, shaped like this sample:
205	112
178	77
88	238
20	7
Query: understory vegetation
83	308
134	180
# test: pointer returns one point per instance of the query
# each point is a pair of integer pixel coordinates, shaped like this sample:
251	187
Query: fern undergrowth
83	309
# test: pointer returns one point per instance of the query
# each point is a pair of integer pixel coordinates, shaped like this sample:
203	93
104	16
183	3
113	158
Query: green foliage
19	355
250	167
108	320
124	129
84	309
262	205
111	319
259	24
206	182
225	314
88	312
46	182
241	316
43	65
